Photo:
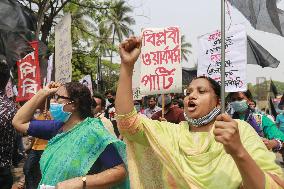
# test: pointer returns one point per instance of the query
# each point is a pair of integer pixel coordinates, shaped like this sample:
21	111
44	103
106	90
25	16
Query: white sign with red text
161	70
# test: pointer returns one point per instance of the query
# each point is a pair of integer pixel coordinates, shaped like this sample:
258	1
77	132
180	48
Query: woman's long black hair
82	97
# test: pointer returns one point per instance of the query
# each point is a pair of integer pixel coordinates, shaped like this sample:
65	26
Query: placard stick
45	110
163	105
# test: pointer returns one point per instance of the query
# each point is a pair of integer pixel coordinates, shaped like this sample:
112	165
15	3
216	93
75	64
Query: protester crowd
79	140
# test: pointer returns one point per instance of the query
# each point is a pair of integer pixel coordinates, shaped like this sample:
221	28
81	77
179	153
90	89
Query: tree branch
42	10
90	6
61	7
85	31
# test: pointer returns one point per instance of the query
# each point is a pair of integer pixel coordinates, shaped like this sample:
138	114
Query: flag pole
223	56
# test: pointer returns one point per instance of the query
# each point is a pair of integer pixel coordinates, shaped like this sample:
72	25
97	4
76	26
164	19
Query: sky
196	18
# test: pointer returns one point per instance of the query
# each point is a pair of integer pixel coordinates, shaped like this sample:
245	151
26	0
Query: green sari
72	153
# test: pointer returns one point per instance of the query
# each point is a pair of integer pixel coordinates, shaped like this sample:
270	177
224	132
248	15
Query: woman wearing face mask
209	150
80	152
272	136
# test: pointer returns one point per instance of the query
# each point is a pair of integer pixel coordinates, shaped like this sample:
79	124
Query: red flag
28	75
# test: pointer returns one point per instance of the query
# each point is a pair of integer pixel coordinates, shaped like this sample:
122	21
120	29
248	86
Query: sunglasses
56	97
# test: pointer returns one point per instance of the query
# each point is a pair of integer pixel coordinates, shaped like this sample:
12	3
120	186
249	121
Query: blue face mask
240	106
57	112
137	107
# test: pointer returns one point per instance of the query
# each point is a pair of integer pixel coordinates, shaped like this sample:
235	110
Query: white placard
15	90
87	81
63	50
135	81
161	61
209	58
49	68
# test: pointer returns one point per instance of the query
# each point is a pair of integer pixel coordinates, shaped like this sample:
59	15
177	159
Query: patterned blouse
7	132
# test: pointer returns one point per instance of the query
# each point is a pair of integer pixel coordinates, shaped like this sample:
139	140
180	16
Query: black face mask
111	100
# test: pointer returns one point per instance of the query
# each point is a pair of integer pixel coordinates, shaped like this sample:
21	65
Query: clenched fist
226	132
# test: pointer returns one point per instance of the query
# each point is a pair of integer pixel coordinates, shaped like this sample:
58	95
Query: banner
209	58
258	55
63	50
87	81
263	15
28	75
161	61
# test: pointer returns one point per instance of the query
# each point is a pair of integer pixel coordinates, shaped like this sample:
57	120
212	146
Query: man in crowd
110	109
172	114
152	106
7	132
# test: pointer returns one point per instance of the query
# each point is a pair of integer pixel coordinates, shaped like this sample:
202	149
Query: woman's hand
51	88
129	51
270	144
226	132
74	183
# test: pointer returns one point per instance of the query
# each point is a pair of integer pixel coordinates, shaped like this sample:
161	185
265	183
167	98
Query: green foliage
254	88
97	27
93	37
280	86
185	48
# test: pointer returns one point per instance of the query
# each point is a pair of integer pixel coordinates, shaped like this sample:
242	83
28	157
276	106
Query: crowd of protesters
79	140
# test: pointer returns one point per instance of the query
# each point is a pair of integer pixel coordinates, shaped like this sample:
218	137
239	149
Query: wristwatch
84	179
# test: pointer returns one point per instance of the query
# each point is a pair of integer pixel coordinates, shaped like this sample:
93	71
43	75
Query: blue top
44	129
280	121
47	129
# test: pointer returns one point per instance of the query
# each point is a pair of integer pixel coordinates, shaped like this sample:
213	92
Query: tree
254	88
46	11
120	21
101	48
96	26
185	48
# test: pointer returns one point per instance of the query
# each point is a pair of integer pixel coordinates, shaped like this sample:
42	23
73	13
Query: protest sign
209	58
161	61
63	50
135	81
87	81
28	75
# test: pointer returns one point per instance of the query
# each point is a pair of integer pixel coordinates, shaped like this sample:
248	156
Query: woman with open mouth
209	150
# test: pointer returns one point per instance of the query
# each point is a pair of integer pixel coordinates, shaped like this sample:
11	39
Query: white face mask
137	107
